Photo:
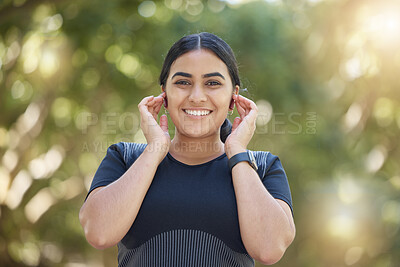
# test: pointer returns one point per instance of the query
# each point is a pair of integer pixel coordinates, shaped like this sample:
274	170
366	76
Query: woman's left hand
242	128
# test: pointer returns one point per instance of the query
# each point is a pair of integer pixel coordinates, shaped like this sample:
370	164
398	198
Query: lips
197	112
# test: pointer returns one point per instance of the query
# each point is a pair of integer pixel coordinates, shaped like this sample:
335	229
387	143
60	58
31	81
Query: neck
194	151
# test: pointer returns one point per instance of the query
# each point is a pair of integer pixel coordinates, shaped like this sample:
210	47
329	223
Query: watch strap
243	156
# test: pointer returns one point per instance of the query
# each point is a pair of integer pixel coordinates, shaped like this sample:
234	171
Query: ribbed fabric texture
182	248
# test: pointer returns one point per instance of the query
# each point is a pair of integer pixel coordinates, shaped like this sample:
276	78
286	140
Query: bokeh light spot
52	23
67	189
129	65
194	7
31	53
4	137
10	159
349	191
352	117
41	12
384	111
375	158
113	54
147	9
30	254
19	186
173	4
21	90
216	6
84	119
395	181
12	53
29	119
37	167
39	204
52	252
4	183
18	89
342	226
264	112
61	111
49	63
90	78
382	26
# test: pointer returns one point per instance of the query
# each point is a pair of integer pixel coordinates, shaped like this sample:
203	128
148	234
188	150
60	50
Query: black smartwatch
244	156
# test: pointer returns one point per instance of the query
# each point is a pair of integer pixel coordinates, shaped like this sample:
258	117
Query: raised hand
156	135
243	127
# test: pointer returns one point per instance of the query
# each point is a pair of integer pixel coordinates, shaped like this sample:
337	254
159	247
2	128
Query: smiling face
199	90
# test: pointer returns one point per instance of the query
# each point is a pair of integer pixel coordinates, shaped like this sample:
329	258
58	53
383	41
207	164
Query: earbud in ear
232	104
165	102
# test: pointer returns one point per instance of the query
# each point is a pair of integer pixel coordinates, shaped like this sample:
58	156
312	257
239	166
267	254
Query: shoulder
266	162
127	150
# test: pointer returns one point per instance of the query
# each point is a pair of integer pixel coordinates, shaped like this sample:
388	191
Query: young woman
202	198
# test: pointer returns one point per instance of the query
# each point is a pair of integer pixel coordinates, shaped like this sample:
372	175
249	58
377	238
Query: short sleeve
111	168
273	177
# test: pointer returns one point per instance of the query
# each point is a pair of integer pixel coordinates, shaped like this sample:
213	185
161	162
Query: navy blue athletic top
189	215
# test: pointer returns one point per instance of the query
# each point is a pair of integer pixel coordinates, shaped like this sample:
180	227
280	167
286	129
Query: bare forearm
107	215
265	227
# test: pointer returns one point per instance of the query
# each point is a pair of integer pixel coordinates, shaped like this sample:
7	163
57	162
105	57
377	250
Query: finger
245	107
236	123
154	104
253	110
151	102
241	109
251	119
244	99
248	103
144	109
159	98
145	100
156	109
164	123
252	115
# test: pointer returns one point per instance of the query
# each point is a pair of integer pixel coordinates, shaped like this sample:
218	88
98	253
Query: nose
197	94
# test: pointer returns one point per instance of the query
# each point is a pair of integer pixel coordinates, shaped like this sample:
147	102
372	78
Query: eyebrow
184	74
213	74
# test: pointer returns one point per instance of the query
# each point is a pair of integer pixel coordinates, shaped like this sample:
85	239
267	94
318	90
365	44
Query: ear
162	88
232	104
236	90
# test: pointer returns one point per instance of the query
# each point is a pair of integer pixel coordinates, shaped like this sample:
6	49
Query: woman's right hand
157	136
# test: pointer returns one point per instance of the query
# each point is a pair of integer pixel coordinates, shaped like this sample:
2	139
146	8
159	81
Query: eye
213	83
182	82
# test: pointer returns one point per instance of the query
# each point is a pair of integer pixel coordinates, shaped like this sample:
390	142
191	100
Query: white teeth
197	112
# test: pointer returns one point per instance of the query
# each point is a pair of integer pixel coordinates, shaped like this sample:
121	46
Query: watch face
253	160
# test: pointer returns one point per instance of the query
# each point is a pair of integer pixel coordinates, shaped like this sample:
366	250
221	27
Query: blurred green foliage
323	73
